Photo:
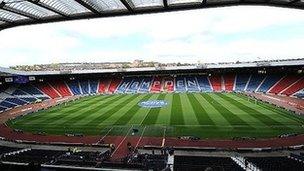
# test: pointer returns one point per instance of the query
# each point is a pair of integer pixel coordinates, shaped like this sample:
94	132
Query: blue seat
180	84
204	84
145	84
123	86
134	86
29	99
30	89
2	108
16	101
84	84
254	82
74	87
7	104
241	81
93	86
269	82
192	84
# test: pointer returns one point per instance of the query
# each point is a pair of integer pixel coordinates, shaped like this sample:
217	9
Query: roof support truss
89	7
128	4
36	2
9	9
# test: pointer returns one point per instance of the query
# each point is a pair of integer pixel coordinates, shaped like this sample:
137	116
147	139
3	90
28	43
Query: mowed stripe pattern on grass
207	115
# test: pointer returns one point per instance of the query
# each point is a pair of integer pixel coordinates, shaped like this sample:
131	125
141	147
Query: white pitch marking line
121	141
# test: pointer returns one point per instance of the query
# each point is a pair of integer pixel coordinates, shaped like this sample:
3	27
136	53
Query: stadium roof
24	12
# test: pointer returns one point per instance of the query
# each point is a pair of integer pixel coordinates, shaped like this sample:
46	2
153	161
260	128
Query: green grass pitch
206	115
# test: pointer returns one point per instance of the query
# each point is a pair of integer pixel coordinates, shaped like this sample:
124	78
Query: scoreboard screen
21	79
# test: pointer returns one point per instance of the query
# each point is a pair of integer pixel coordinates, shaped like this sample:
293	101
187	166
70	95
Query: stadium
218	116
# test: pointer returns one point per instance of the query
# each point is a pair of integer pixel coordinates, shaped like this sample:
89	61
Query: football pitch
205	115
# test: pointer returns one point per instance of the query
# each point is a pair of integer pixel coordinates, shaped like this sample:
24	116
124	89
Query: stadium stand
134	86
85	88
4	150
204	84
93	86
180	85
168	84
103	85
192	84
2	108
16	101
7	104
49	90
30	89
74	87
229	82
241	82
123	86
205	163
216	82
37	156
295	87
114	85
276	163
284	83
156	85
299	94
254	82
145	85
268	82
61	88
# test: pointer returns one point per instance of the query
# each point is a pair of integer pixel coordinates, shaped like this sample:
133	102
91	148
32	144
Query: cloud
208	35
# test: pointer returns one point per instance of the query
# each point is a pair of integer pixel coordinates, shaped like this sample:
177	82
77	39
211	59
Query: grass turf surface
206	115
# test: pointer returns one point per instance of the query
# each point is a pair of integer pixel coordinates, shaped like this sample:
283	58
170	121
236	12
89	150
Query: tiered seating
300	94
241	82
123	86
29	99
134	86
2	108
47	89
84	84
74	87
180	85
284	83
276	163
269	81
114	84
16	101
216	82
229	82
61	88
168	84
30	89
93	86
7	104
39	156
204	163
297	86
80	159
145	84
192	84
103	85
204	84
254	82
156	85
18	92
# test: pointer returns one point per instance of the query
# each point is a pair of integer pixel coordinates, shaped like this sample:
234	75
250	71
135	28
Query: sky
228	34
